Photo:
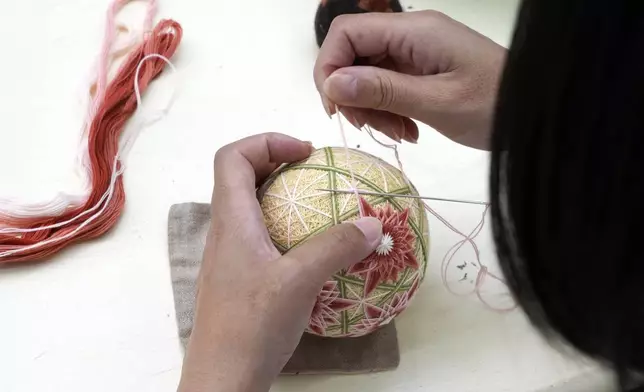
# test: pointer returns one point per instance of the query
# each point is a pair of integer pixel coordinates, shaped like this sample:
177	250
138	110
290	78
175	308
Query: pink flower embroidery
395	252
326	308
401	301
376	317
367	326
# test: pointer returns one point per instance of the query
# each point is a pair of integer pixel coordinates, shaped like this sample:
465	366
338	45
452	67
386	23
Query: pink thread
483	271
354	184
96	92
108	42
104	62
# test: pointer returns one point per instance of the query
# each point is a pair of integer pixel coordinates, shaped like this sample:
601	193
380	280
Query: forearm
213	364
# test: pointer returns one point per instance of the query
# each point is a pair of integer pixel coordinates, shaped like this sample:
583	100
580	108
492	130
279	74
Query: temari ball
358	300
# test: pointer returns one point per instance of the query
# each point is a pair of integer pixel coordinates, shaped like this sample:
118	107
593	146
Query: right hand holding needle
424	66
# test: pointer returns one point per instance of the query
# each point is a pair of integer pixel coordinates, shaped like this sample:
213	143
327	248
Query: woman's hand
424	66
253	304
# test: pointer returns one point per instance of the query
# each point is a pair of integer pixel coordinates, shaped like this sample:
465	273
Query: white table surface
100	316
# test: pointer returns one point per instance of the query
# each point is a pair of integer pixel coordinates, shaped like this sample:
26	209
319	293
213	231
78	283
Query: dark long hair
567	175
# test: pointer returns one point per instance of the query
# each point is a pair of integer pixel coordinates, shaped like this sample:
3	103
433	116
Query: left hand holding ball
253	304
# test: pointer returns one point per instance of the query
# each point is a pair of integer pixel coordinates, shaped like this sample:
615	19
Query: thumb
337	248
374	88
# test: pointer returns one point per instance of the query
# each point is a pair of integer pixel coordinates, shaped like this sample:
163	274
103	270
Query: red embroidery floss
25	239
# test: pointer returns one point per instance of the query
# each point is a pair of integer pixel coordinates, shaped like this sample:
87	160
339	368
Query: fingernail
344	86
406	135
403	132
354	121
395	137
310	145
327	106
410	139
371	228
360	119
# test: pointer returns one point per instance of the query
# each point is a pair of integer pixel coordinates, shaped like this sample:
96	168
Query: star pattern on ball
328	305
395	253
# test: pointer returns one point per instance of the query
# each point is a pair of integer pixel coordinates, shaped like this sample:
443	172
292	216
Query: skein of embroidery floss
108	55
112	50
37	237
99	87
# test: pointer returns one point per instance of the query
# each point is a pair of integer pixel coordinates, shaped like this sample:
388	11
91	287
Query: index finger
240	165
352	36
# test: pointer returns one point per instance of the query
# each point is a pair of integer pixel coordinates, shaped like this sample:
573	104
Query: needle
405	196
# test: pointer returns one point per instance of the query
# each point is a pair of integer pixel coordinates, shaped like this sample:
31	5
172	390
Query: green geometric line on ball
369	184
334	214
380	303
375	188
335	208
320	229
332	171
396	290
344	318
365	181
333	183
357	282
419	228
375	202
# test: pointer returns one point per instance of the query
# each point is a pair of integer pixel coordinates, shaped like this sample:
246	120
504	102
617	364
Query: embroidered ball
358	300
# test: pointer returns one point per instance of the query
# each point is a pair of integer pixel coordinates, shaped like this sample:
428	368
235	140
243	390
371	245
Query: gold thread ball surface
358	300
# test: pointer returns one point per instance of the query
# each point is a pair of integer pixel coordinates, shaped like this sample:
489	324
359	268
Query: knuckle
221	154
237	147
339	21
437	15
387	96
269	136
344	237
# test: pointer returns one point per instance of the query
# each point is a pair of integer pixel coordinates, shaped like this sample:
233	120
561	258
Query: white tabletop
100	316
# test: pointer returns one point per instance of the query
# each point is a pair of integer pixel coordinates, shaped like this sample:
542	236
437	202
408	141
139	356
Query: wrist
216	363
